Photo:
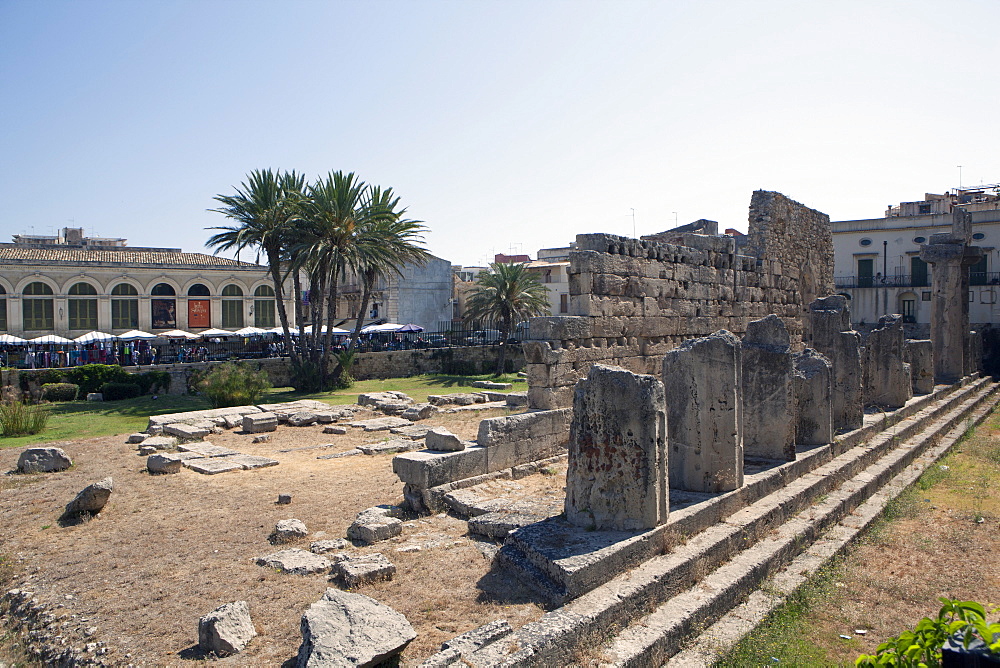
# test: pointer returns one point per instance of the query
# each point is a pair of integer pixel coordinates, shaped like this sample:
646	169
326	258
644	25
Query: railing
909	281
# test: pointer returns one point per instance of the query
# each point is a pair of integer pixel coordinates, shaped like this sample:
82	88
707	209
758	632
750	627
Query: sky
505	126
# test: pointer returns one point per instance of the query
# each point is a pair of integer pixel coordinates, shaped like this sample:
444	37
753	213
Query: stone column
920	356
768	401
887	381
617	475
705	414
831	335
814	398
951	257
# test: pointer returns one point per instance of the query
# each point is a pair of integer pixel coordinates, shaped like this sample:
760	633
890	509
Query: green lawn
80	419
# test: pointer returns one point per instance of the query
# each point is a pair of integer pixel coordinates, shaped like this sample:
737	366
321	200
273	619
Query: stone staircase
693	586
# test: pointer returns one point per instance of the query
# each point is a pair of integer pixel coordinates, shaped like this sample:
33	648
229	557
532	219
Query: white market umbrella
387	327
11	340
51	338
323	330
177	334
215	332
136	335
277	330
94	337
251	331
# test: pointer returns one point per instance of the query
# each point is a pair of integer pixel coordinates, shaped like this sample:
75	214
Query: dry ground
168	549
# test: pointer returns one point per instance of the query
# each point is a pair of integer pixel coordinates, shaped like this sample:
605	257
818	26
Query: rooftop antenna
675	218
959	177
633	224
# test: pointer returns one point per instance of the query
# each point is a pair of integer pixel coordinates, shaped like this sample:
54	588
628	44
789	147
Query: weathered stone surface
419	412
414	432
138	437
286	531
324	546
814	398
199	416
335	429
326	417
886	381
374	525
43	460
704	414
617	475
517	399
346	453
226	630
206	449
249	462
381	424
211	465
373	398
163	463
260	422
364	569
232	421
920	357
469	642
91	498
261	438
186	431
146	450
161	442
303	419
443	440
295	561
831	335
95	396
768	399
389	446
490	385
284	499
346	629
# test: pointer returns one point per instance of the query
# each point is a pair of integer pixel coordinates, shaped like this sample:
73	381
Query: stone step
565	561
716	568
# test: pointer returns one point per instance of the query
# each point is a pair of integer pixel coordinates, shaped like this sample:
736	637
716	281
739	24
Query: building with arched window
71	284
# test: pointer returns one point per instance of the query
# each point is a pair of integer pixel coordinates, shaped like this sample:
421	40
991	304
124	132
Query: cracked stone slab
414	432
211	466
206	449
365	569
252	461
338	455
394	445
295	561
381	424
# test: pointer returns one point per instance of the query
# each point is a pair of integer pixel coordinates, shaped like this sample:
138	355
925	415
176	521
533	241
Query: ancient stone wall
634	300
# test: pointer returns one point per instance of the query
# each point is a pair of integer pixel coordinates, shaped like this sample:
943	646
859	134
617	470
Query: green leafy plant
119	391
91	377
233	384
19	419
60	391
963	621
344	379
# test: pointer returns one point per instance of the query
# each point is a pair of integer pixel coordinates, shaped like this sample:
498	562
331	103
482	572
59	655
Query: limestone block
303	419
364	569
525	426
425	469
443	440
248	462
295	561
91	498
346	629
814	398
334	429
419	411
617	477
226	630
920	357
325	546
43	460
767	389
381	424
886	381
206	449
161	442
389	446
138	437
159	463
260	422
187	431
211	466
286	531
704	414
374	525
517	399
490	385
414	432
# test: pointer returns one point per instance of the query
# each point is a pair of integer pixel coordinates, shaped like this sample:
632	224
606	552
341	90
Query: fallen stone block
226	630
147	450
161	442
420	412
374	525
95	396
490	385
381	424
249	462
443	440
232	421
390	446
206	449
91	498
211	465
392	407
295	561
137	437
284	499
414	432
498	524
286	531
187	431
325	417
517	399
161	463
373	398
362	570
303	419
335	429
345	453
261	438
260	422
43	460
324	546
347	629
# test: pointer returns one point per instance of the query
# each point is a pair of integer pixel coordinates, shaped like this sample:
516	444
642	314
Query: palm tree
506	294
264	208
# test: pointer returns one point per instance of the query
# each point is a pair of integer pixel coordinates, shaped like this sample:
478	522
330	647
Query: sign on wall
199	313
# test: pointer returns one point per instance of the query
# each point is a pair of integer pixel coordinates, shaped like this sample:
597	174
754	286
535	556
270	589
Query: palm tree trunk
366	296
502	357
274	264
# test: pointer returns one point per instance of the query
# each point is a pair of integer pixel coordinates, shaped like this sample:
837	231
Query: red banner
199	313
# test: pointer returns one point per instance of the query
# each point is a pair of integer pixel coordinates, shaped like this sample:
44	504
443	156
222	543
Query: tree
506	294
265	208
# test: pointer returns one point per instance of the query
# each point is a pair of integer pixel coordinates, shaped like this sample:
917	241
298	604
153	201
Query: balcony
909	281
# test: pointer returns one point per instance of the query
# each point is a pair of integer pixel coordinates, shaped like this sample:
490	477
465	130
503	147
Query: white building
878	265
552	270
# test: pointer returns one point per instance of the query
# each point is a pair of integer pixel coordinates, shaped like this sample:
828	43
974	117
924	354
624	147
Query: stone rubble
43	460
226	630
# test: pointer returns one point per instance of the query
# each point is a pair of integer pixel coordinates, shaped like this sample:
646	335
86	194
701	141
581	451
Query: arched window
36	307
263	306
3	309
232	307
125	309
82	306
198	290
199	306
163	309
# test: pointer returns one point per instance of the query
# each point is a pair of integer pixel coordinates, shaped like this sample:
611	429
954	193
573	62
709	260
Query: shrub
19	419
92	377
118	391
60	391
344	379
233	384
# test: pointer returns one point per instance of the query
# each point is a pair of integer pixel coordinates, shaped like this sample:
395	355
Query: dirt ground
170	548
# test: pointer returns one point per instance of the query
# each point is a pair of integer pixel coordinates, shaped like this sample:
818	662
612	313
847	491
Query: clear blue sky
503	125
